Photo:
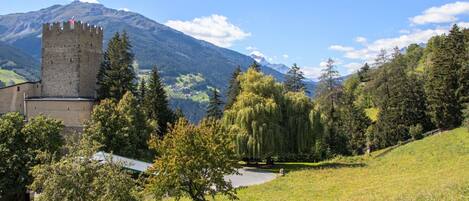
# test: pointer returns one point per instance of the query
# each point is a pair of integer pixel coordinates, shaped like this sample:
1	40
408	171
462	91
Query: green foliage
416	131
328	95
363	73
466	116
255	118
156	103
233	88
405	103
20	147
214	106
298	137
116	75
294	80
92	180
354	121
443	81
121	128
192	162
255	66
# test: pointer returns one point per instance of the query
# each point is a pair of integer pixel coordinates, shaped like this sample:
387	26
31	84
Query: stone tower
71	56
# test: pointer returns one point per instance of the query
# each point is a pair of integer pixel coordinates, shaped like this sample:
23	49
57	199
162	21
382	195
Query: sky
298	31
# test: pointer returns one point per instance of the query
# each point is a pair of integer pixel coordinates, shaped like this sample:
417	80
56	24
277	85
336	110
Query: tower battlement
71	56
56	28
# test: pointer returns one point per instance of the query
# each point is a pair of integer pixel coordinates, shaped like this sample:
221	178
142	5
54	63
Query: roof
59	99
128	163
28	82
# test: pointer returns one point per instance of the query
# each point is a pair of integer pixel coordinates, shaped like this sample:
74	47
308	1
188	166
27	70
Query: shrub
416	131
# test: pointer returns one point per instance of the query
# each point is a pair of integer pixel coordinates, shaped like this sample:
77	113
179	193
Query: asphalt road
250	176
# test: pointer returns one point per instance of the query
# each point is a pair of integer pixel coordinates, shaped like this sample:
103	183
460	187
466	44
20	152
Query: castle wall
71	56
12	97
73	112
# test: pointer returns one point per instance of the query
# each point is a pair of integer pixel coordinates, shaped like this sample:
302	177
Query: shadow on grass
302	166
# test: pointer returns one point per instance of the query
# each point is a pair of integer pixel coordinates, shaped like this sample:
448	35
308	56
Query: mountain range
175	53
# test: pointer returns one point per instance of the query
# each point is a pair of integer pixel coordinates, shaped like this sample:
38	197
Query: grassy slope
7	75
435	168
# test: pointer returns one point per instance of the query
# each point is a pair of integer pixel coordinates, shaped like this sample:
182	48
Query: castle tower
71	56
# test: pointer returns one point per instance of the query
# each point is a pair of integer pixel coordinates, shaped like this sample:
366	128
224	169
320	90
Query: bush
466	116
416	131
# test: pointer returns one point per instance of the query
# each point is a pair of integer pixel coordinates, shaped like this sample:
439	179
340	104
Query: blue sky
303	31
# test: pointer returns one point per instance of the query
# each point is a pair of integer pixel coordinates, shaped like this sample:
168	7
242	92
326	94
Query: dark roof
29	82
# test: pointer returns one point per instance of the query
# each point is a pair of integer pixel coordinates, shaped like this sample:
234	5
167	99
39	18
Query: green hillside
10	77
435	168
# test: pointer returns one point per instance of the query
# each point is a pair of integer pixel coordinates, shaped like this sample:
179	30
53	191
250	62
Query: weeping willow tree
299	136
255	118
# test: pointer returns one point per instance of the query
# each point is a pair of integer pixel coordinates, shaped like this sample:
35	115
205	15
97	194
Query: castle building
71	56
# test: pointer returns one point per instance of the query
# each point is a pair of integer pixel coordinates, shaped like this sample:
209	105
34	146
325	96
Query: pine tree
233	88
442	84
405	106
328	94
294	80
363	73
256	66
156	102
142	92
214	105
116	75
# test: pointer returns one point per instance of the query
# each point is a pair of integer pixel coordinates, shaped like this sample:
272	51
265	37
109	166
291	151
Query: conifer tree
116	75
142	92
256	66
442	83
363	73
294	80
328	94
233	88
156	102
214	105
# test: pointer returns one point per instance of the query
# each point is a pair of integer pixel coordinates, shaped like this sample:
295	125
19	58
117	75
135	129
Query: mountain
282	68
16	60
176	54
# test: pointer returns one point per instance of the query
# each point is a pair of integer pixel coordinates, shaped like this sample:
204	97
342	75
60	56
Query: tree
233	88
192	162
214	105
294	80
406	105
120	128
353	117
363	73
156	102
328	94
92	180
20	146
255	118
142	92
299	137
442	83
179	113
116	75
255	66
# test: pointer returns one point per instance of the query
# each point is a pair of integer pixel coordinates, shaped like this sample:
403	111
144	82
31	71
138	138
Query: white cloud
215	29
442	14
89	1
312	72
361	40
285	56
463	24
250	48
124	9
353	67
370	50
257	53
341	48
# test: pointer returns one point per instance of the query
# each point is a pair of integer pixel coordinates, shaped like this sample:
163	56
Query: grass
7	75
435	168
